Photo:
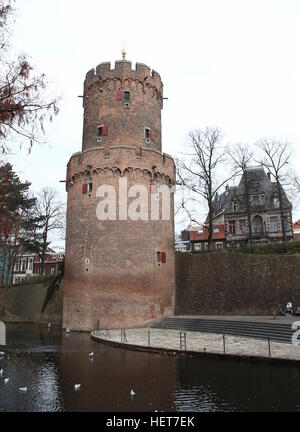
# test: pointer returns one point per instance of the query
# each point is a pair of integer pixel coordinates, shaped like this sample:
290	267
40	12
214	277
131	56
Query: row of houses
234	208
30	264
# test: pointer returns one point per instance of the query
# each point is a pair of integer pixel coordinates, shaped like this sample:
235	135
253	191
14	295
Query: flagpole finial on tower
124	52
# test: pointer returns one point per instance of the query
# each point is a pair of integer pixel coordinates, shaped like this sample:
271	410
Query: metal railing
123	336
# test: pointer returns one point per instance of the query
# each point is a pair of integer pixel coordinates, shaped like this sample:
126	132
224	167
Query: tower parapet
122	104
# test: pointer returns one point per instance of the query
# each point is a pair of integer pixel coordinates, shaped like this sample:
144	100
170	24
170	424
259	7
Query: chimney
269	175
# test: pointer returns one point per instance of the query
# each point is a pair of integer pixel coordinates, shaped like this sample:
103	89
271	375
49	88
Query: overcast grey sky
229	63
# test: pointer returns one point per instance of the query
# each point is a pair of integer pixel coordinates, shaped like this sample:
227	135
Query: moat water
50	363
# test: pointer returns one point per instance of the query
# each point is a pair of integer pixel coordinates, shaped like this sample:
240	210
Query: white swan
6	380
91	354
77	386
1	372
132	393
23	389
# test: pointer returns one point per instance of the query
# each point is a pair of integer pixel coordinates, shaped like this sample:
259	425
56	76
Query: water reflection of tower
121	272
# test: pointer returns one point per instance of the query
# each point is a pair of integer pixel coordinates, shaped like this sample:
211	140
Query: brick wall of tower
111	271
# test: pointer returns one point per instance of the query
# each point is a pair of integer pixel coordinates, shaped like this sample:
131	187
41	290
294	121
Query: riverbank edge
195	354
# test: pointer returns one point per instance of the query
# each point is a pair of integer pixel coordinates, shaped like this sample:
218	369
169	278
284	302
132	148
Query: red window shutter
84	188
152	135
163	257
105	130
120	95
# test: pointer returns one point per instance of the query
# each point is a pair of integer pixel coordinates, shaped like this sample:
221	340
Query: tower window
126	96
158	257
147	135
102	132
90	187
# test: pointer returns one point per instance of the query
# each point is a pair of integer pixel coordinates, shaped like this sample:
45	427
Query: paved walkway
199	344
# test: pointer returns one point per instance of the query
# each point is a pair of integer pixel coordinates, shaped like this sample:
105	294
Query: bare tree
24	105
276	158
241	156
51	214
199	174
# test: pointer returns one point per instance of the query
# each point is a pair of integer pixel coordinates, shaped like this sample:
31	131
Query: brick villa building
231	221
231	210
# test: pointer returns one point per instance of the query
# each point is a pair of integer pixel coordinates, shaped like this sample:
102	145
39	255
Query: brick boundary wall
223	283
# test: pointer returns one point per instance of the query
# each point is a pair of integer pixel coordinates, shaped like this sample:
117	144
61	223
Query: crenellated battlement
123	70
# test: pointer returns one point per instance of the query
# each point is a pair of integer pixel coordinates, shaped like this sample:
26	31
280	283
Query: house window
286	223
216	230
23	266
273	224
235	206
197	247
255	200
242	226
52	270
30	264
232	228
200	231
17	266
219	246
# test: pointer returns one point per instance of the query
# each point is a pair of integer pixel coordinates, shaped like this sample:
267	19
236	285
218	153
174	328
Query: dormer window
235	206
275	202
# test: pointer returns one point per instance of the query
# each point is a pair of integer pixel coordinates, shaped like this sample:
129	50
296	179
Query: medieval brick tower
120	268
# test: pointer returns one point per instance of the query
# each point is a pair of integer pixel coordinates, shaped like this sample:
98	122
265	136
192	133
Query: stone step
259	330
